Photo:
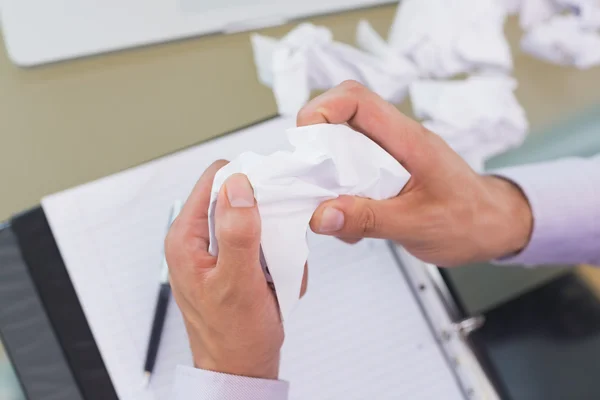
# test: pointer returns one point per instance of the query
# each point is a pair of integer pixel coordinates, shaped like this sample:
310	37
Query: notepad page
110	233
358	334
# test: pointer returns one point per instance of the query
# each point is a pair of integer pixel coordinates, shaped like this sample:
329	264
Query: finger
188	236
304	285
197	203
193	219
237	228
366	112
356	217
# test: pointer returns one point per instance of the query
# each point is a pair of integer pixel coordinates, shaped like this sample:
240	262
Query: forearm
564	197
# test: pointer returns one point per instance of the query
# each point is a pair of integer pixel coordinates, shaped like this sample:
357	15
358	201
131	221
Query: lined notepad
357	334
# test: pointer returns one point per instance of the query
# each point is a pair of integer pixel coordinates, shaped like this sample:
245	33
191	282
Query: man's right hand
447	214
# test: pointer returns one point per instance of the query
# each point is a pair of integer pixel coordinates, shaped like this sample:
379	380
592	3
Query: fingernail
332	220
239	191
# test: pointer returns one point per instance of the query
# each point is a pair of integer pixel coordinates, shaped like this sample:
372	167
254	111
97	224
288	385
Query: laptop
42	31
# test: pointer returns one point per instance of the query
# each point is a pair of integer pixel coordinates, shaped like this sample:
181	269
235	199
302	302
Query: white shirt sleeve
565	200
199	384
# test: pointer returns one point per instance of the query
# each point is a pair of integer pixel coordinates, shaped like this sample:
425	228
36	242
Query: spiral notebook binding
451	331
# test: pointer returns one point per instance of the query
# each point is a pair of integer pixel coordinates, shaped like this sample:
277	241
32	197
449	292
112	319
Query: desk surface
71	122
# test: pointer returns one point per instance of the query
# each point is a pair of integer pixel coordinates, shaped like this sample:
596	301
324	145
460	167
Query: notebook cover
51	282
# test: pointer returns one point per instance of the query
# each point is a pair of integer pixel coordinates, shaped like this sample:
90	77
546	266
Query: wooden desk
591	276
71	122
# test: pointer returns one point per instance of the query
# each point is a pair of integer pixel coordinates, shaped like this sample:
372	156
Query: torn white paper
308	59
479	117
563	41
393	84
512	6
534	12
284	65
327	161
448	37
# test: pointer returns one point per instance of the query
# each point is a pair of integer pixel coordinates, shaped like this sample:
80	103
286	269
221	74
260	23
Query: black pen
160	313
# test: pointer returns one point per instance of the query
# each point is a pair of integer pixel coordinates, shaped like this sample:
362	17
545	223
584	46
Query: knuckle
353	86
186	243
367	223
182	248
303	115
230	294
193	251
221	292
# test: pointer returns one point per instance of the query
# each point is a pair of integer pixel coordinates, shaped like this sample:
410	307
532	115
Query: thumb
356	217
237	227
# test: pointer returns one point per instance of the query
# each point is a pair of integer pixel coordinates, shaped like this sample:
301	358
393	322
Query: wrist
251	365
263	370
511	215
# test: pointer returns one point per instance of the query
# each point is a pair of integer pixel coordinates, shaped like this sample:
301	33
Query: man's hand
447	214
230	312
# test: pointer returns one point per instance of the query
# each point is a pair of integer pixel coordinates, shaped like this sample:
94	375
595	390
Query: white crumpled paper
512	6
308	58
562	40
478	117
397	71
536	12
586	11
448	37
327	161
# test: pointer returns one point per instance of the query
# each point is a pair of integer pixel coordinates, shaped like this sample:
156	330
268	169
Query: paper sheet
512	6
110	235
327	161
587	12
448	37
479	117
308	58
534	12
562	40
353	290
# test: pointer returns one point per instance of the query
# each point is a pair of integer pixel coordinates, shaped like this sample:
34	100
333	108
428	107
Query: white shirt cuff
565	200
199	384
